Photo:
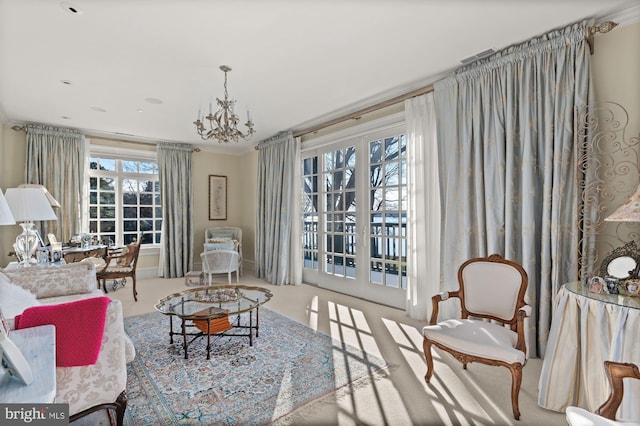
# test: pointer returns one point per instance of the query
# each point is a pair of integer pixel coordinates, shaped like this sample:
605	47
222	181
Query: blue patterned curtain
277	250
508	172
176	245
56	159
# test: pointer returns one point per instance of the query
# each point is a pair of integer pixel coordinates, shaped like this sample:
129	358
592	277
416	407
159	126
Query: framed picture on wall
217	197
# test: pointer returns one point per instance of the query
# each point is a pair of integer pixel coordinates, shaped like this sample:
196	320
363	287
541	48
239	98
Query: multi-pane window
388	211
124	200
310	212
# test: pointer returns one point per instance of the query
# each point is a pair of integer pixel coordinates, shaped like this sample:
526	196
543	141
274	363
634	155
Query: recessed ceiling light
154	101
99	109
67	82
71	8
140	110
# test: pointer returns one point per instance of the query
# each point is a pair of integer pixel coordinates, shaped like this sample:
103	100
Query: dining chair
491	293
121	266
606	414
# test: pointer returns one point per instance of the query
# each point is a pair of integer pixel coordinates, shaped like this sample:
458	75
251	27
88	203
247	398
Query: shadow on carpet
288	366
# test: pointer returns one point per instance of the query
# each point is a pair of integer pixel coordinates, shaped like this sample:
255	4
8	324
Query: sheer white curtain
278	257
176	243
56	159
423	225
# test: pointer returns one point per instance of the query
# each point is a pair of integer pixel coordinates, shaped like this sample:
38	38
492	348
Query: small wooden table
76	254
38	346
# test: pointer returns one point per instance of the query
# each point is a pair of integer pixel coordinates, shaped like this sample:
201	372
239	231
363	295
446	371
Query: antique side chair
491	327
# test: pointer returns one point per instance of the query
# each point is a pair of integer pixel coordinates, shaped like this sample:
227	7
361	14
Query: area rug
288	366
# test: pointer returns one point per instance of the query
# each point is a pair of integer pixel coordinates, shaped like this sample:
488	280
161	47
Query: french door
354	205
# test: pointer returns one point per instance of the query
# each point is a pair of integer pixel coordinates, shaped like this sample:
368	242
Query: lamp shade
628	212
29	204
6	217
52	201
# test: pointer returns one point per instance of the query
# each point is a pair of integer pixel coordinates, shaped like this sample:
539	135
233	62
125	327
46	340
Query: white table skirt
586	330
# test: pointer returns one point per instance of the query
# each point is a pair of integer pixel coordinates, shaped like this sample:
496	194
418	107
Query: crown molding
623	17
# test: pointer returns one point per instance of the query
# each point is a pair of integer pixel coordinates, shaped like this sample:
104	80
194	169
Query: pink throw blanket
79	328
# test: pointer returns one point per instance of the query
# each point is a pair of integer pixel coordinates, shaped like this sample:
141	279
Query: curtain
423	226
278	257
176	241
505	146
56	159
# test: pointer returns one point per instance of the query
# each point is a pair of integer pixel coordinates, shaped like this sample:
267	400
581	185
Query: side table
38	345
588	329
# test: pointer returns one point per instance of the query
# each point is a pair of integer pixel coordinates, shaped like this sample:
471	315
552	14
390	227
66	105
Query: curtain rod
360	112
603	28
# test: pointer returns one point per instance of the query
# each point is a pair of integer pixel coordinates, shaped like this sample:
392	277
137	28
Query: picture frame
217	197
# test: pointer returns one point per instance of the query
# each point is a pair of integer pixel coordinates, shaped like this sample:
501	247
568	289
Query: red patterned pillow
79	328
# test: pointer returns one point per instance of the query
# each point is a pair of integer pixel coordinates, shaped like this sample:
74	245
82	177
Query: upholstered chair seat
477	338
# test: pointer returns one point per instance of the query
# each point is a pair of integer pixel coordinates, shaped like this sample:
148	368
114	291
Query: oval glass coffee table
214	311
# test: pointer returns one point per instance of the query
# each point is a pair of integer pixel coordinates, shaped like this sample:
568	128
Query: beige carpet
399	396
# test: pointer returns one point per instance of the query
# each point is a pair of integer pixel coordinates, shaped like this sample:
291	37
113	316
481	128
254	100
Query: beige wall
240	171
616	71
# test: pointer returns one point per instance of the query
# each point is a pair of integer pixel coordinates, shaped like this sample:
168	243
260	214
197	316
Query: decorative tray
217	295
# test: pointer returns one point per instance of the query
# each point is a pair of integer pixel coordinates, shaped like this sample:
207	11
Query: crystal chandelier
223	125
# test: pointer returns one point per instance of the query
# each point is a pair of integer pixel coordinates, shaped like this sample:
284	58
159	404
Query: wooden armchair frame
130	271
515	322
616	371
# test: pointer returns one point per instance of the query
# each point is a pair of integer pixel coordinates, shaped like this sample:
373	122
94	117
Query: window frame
119	154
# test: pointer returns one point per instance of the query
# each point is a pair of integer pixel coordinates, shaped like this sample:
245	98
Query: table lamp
6	217
52	201
27	205
629	211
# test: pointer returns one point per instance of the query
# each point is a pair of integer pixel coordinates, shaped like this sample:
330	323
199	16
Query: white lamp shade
29	204
628	212
6	217
52	201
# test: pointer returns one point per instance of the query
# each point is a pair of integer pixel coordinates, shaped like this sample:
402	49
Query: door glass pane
387	203
340	197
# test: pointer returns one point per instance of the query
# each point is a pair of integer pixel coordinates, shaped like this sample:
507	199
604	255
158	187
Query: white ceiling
295	62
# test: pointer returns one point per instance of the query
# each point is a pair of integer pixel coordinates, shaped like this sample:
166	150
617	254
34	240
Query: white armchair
221	262
491	290
232	233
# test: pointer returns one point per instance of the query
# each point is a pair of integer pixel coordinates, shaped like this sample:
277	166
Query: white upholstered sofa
85	388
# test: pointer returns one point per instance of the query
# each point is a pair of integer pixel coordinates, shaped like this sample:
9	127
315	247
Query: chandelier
223	125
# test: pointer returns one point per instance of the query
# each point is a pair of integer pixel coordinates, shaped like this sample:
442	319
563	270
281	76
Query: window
124	198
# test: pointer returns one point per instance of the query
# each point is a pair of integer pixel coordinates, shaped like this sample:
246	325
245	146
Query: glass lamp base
26	243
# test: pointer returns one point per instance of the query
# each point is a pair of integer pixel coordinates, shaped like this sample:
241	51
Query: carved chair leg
516	380
104	286
464	365
135	292
426	346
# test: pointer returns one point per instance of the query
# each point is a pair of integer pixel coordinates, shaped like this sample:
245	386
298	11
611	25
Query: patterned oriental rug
288	366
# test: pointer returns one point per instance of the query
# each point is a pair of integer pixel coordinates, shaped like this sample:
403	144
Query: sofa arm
87	386
55	280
